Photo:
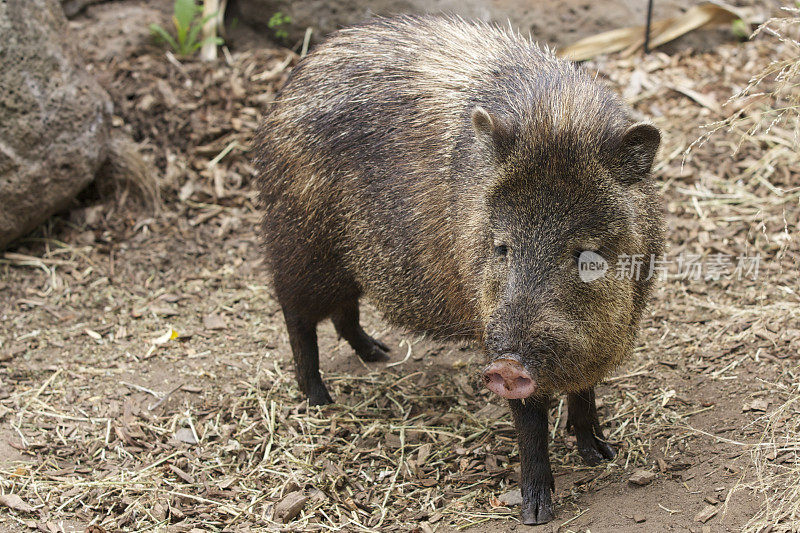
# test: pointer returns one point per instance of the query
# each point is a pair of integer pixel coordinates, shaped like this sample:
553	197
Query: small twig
408	354
159	462
306	42
141	389
174	60
574	518
223	153
670	511
164	398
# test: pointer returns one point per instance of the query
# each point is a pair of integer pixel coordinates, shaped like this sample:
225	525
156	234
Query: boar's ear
636	152
492	130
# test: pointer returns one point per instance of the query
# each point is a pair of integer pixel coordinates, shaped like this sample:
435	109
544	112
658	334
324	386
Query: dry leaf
186	477
169	335
93	334
759	404
12	501
661	32
290	506
704	100
706	514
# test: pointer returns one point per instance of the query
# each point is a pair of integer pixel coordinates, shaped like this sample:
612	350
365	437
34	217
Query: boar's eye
500	250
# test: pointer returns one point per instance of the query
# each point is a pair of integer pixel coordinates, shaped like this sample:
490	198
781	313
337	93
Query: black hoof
538	509
594	451
319	396
374	351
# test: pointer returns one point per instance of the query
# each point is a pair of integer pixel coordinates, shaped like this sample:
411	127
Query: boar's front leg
536	481
582	417
303	339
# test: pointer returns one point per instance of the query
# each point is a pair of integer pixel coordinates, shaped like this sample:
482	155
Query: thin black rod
647	27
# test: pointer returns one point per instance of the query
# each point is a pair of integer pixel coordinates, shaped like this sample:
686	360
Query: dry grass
766	111
399	448
777	463
772	97
768	116
127	177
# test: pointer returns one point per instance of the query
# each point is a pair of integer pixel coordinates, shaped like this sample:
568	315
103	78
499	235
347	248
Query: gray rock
642	477
185	435
107	33
511	498
54	117
74	7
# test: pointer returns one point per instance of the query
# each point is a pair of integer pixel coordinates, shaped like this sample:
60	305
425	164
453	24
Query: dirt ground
145	376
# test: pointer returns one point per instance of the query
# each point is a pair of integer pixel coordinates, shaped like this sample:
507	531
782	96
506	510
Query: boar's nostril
493	378
521	382
509	379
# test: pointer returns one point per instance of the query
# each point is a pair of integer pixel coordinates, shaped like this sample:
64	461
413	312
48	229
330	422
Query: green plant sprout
188	20
741	29
276	22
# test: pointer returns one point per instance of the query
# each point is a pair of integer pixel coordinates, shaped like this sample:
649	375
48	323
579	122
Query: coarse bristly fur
450	172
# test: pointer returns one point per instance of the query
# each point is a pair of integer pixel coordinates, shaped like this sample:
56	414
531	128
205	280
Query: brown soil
554	22
98	417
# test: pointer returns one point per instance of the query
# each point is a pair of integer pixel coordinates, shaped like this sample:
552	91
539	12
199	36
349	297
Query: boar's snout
507	377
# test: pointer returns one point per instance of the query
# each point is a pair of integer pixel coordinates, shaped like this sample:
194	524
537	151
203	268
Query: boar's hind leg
582	417
536	480
303	338
348	327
